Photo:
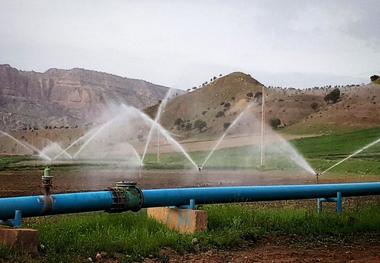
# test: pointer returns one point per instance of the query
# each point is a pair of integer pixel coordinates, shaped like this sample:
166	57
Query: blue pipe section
212	195
103	200
61	204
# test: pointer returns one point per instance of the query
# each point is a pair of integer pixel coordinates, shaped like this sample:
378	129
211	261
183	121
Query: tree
314	106
374	77
220	114
226	125
227	105
178	121
333	96
200	124
188	126
275	123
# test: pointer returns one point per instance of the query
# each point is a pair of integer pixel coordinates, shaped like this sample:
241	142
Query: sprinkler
317	177
47	184
47	181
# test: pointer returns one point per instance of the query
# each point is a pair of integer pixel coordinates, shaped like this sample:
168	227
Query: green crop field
321	152
324	151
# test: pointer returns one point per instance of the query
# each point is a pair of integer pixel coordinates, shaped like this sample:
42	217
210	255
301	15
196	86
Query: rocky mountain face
66	98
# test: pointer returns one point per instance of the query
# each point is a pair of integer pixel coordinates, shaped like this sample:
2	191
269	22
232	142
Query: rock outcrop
70	98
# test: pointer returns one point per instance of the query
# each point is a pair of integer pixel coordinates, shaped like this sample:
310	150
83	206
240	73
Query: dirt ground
287	249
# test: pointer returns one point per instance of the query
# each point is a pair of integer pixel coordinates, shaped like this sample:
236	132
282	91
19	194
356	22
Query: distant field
321	152
324	151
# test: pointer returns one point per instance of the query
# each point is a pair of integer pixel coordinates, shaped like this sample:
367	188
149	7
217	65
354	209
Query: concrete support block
182	220
21	239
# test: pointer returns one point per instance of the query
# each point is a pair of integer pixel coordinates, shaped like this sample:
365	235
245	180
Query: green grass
134	236
324	151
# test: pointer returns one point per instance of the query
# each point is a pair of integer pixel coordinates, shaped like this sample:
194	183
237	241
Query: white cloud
183	43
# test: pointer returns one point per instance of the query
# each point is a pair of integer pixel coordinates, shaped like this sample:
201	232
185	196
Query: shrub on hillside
258	97
188	126
374	77
333	96
178	121
220	114
226	125
314	106
275	123
200	125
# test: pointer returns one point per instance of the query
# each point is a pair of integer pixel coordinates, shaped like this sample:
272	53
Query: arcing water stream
156	120
27	146
224	135
352	155
162	131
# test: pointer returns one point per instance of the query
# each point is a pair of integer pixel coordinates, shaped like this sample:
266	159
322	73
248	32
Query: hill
68	98
207	111
357	108
219	103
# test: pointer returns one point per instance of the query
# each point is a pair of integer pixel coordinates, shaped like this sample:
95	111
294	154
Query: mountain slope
220	102
357	108
66	97
207	111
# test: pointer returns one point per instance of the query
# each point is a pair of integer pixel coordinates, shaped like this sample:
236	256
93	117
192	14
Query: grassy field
133	236
324	151
321	152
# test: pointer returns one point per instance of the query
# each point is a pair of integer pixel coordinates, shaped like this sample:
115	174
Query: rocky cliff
68	98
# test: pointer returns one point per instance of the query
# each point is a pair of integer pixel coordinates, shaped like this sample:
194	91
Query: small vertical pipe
16	222
339	203
192	204
319	206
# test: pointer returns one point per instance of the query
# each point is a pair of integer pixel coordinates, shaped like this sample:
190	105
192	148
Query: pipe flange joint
126	196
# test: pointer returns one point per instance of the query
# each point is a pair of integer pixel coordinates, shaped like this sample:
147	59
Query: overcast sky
183	43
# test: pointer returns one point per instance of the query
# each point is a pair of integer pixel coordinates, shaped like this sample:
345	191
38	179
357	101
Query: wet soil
28	182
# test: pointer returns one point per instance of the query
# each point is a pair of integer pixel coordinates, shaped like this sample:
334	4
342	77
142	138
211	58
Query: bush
188	126
314	105
249	94
200	124
275	123
374	77
333	96
258	95
227	105
220	114
226	125
178	121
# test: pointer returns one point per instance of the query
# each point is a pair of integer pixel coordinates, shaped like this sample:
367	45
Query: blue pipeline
105	200
213	195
